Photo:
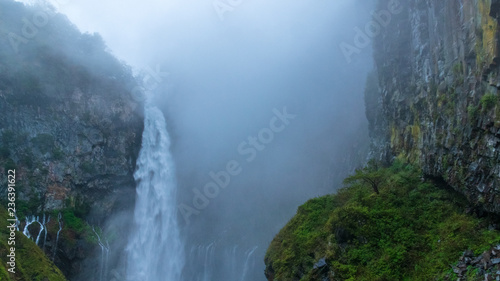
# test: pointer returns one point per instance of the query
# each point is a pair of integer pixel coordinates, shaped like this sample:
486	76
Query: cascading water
247	265
61	223
155	251
103	271
218	261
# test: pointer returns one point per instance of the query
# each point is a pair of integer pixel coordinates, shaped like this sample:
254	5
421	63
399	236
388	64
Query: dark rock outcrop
438	102
70	126
485	266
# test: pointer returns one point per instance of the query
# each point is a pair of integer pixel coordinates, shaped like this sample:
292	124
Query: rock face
80	149
486	266
437	102
70	126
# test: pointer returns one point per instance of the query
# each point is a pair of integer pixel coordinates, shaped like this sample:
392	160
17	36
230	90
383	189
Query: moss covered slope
31	262
411	230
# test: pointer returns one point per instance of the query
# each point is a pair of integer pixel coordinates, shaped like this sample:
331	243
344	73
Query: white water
234	263
61	223
155	251
247	265
29	221
103	270
43	228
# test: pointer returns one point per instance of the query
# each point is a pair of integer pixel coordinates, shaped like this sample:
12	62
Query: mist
220	77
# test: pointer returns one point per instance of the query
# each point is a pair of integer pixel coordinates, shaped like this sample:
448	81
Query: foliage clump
473	112
411	230
488	101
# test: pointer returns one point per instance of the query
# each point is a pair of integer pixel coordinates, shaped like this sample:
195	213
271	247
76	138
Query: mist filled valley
249	140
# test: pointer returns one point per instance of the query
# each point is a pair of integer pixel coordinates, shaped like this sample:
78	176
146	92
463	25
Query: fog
229	73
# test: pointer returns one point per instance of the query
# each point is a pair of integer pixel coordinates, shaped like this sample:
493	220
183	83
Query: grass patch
31	262
411	230
488	101
473	112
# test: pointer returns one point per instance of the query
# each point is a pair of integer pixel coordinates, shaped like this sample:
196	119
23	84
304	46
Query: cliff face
70	126
437	98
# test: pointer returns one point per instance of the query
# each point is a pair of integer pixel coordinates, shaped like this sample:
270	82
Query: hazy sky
133	29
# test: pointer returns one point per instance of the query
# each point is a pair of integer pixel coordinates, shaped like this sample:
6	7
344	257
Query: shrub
488	101
411	230
473	112
72	221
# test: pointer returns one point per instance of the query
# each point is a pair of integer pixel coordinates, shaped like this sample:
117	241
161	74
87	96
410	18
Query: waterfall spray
155	251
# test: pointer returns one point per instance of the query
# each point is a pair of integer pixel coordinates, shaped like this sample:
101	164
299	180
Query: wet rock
449	122
320	264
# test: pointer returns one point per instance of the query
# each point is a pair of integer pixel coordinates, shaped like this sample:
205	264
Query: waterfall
103	272
246	266
29	221
155	251
43	228
60	220
219	261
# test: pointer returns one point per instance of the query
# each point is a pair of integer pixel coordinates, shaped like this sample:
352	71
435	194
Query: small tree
370	174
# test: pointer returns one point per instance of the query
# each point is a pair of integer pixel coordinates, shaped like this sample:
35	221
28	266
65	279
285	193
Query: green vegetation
370	174
488	101
47	69
72	221
29	207
411	230
31	262
457	69
75	227
473	112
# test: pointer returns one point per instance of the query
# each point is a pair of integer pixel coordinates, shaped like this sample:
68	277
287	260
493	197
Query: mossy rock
411	230
31	263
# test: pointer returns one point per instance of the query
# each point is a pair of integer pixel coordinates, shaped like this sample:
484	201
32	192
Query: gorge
169	140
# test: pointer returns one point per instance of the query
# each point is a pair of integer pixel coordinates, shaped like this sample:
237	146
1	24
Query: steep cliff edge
70	126
405	229
437	102
433	102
